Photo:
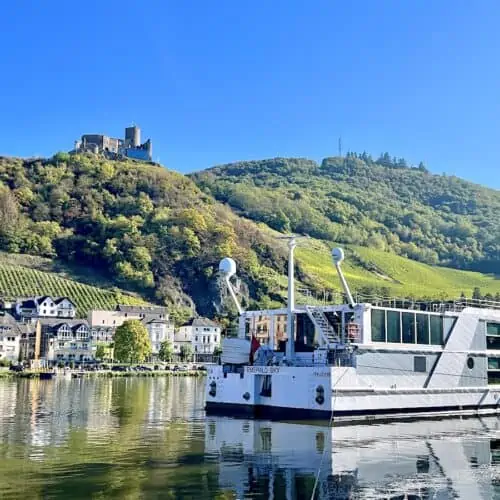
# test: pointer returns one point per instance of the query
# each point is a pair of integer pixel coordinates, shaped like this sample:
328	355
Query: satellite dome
227	266
337	255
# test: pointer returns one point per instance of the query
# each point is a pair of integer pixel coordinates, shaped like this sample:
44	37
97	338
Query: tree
186	352
218	350
100	352
132	344
166	351
9	212
476	294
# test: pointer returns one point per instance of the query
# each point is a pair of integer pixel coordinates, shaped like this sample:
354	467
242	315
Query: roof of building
32	302
29	303
202	322
154	320
58	300
56	322
142	309
26	327
7	319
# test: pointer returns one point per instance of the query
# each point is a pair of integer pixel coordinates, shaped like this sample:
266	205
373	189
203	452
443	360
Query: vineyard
367	267
19	281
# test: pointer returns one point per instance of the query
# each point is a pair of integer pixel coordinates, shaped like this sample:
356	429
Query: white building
159	331
45	307
10	338
67	341
155	318
201	333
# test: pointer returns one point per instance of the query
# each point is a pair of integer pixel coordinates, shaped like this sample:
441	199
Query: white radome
227	267
337	255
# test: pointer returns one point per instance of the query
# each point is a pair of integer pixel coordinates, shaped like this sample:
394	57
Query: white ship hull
294	396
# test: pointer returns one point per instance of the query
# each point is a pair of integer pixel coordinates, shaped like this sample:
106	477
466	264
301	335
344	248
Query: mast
227	268
338	257
290	345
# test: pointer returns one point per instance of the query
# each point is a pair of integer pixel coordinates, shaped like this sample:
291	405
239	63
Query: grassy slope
400	275
21	276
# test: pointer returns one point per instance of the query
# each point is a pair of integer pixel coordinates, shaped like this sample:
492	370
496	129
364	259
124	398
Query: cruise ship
358	361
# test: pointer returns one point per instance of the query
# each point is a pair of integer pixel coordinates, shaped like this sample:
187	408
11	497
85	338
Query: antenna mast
290	344
340	146
338	257
227	268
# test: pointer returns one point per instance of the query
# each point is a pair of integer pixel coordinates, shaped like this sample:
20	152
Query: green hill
139	226
380	204
389	274
103	226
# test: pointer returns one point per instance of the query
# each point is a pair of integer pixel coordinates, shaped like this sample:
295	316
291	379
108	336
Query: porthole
320	394
470	363
213	389
246	396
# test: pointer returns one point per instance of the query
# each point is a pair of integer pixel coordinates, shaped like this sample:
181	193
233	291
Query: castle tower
133	136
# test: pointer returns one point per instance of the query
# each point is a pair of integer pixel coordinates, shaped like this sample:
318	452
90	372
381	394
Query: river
134	438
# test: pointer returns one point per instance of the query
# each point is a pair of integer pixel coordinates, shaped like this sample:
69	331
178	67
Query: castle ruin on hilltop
130	147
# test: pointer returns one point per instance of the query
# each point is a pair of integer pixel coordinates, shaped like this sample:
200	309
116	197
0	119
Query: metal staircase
322	324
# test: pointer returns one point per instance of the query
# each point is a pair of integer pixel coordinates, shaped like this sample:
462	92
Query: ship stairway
321	323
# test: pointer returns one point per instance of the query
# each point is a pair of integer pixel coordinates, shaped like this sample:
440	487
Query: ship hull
309	393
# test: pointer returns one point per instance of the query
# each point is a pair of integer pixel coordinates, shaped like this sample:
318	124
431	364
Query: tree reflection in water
134	438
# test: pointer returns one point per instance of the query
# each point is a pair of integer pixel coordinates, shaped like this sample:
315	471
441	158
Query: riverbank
103	373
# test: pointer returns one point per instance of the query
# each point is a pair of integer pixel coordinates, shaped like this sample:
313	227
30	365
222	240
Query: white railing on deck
308	297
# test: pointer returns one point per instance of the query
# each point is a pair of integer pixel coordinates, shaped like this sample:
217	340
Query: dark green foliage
383	204
166	351
186	352
143	226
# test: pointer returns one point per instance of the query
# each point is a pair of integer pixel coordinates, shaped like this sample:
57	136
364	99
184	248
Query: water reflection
417	460
149	438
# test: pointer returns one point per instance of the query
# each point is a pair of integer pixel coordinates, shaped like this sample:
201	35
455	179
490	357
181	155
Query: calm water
149	438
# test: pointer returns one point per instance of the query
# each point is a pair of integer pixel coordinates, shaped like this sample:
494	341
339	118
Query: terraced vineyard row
19	281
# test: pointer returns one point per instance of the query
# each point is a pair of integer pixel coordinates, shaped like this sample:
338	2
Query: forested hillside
382	204
143	226
158	234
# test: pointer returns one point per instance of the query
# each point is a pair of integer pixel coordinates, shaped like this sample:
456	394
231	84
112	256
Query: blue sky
214	82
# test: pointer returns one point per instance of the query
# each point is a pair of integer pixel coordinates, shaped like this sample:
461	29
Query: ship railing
455	305
309	297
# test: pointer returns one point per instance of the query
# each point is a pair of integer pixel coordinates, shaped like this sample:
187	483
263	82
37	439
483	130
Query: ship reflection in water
412	460
149	438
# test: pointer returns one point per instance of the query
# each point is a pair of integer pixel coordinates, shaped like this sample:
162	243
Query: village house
44	307
10	338
103	324
202	334
66	341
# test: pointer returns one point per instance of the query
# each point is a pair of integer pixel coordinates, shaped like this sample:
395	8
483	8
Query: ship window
436	330
419	364
408	328
266	390
378	325
493	329
393	326
422	328
493	363
493	342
